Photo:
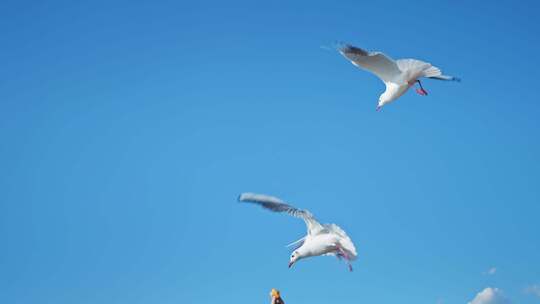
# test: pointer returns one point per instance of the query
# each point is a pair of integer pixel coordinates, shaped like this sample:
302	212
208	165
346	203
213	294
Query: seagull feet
421	91
343	254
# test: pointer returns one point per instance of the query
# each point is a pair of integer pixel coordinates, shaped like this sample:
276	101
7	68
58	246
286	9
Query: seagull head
295	256
380	104
383	99
386	97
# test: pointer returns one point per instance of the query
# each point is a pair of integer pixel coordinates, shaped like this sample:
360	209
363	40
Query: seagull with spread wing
321	239
398	75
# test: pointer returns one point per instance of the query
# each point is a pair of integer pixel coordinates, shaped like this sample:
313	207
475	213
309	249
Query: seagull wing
276	205
376	62
297	244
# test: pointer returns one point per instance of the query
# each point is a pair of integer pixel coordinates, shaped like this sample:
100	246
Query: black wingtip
340	45
343	47
349	48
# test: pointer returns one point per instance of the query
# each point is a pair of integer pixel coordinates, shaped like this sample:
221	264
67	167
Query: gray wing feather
277	205
376	62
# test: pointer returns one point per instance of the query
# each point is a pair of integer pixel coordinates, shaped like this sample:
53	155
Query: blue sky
129	128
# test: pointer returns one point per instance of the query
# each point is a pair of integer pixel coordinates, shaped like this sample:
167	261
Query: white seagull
321	239
398	75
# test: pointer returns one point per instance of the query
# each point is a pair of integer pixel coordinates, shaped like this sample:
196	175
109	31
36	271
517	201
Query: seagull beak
378	108
290	264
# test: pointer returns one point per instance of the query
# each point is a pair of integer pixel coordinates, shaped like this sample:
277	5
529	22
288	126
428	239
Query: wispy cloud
491	271
490	296
533	289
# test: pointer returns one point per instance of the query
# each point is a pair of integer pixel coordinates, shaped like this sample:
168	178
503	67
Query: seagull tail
435	73
418	68
446	77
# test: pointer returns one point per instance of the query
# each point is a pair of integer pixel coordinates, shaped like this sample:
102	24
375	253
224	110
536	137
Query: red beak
290	264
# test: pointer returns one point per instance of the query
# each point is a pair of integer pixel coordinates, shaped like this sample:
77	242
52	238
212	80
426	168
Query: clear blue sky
128	129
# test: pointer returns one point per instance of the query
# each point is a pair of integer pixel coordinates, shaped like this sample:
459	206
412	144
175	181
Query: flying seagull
321	239
398	75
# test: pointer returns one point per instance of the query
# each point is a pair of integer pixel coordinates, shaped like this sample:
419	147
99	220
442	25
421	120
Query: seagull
398	75
321	239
